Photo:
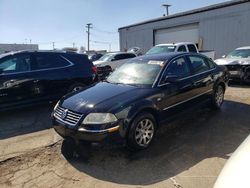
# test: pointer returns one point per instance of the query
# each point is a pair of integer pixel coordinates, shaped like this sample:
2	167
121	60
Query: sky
63	21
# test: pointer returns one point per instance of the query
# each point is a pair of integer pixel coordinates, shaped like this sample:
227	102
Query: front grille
67	116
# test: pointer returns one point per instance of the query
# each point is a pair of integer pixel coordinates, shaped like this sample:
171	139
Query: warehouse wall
221	29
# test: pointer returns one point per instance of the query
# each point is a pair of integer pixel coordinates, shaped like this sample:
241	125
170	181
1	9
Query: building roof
194	11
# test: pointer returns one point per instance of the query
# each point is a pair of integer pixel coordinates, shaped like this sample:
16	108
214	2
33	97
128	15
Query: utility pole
53	43
88	26
109	47
166	6
73	45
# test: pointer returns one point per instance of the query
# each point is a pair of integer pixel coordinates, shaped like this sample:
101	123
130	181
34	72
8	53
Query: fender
129	113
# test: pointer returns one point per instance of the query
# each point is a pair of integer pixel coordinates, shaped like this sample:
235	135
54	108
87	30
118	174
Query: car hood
103	97
233	61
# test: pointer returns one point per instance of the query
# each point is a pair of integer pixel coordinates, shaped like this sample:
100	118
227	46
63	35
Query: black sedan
138	97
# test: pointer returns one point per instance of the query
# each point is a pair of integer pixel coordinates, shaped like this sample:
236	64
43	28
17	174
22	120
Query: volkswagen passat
138	97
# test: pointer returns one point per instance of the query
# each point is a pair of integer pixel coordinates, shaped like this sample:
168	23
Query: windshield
106	57
244	53
161	49
137	72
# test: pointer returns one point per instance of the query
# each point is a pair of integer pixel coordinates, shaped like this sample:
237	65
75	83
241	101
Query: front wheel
142	131
218	97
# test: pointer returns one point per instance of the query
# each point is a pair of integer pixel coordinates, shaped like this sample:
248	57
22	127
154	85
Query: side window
199	64
17	63
119	57
182	49
129	56
178	67
48	61
211	63
191	48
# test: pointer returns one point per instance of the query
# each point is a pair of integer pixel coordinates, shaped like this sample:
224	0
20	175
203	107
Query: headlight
99	118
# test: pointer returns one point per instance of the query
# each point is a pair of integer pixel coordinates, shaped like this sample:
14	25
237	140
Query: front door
176	86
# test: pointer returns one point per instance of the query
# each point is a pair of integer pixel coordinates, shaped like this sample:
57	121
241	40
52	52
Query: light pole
166	6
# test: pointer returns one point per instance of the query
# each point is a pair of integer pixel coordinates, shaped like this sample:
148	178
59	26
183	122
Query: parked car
136	50
238	63
27	77
114	60
114	56
180	47
235	173
138	97
95	57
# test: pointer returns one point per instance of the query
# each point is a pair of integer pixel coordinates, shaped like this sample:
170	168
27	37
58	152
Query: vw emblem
64	113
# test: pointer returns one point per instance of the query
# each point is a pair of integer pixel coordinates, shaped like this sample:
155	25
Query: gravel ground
190	154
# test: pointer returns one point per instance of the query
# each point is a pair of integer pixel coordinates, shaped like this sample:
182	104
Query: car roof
243	48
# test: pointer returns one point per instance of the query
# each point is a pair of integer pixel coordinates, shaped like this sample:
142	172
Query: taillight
94	69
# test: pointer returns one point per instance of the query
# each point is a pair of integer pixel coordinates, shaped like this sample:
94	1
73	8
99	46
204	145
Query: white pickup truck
180	47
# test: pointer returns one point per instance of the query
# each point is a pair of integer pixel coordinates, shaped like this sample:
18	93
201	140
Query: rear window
48	61
78	59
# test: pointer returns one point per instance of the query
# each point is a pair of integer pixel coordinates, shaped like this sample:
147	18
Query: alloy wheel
219	96
144	132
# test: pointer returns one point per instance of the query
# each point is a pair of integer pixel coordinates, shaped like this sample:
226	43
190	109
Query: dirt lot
191	154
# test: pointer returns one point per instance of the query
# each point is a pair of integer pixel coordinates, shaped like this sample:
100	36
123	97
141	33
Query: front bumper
80	133
238	72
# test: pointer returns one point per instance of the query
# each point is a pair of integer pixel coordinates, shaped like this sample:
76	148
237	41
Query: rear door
203	78
51	75
16	83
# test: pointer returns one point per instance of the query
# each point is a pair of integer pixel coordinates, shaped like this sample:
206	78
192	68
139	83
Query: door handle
35	81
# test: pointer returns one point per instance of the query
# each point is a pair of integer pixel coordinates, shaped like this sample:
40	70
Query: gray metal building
16	47
220	27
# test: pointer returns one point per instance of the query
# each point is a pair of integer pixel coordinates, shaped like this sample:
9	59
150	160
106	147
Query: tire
142	131
75	87
218	97
68	148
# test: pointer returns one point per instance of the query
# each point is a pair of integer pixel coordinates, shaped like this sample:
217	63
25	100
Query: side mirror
171	78
223	56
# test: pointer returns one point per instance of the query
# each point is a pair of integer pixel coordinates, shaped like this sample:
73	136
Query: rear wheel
218	97
142	131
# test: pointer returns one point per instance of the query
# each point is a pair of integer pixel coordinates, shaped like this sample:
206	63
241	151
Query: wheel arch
146	109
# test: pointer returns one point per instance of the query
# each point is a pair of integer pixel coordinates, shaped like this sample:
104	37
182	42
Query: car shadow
25	120
202	133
